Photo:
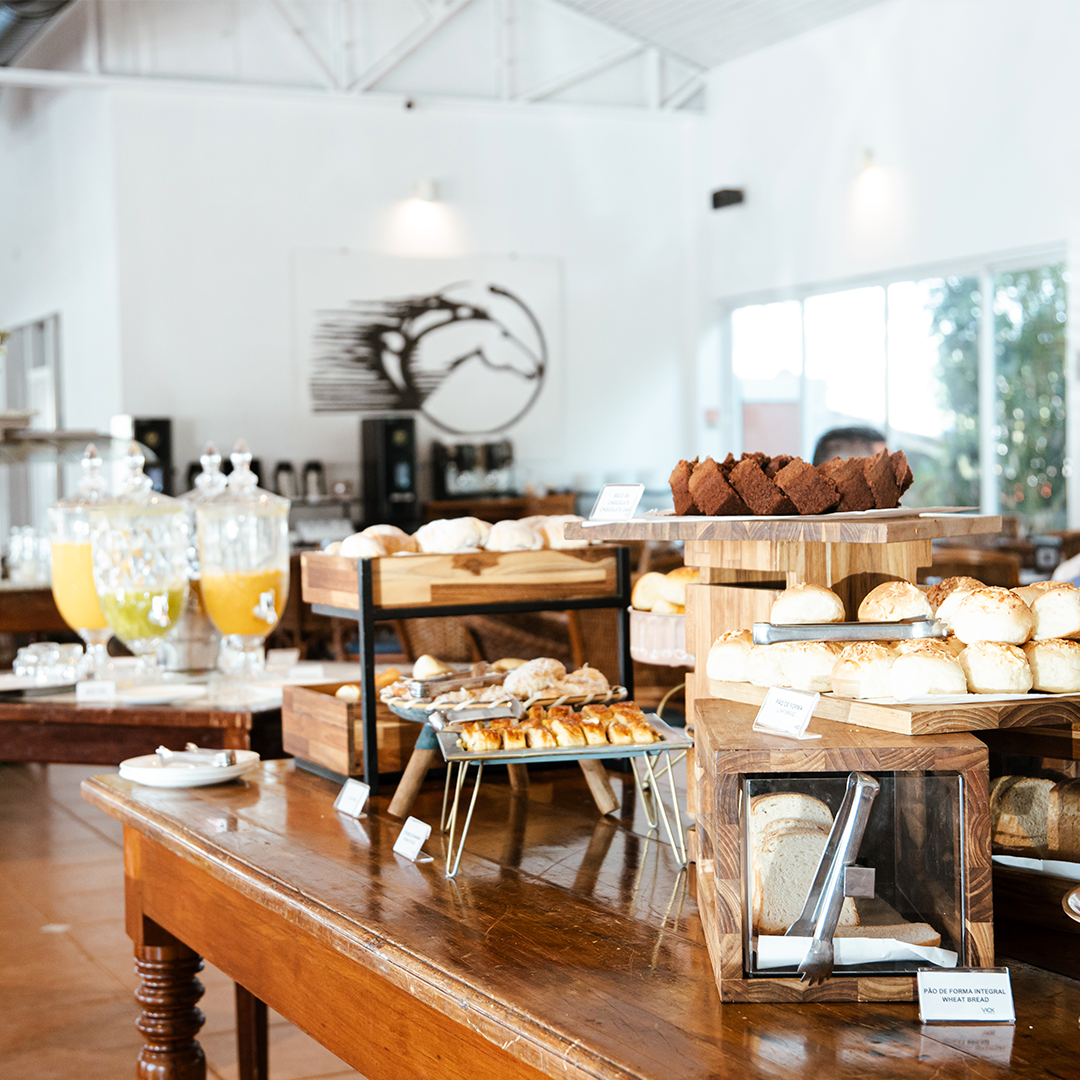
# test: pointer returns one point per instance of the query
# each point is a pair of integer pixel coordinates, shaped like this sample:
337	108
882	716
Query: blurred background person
845	442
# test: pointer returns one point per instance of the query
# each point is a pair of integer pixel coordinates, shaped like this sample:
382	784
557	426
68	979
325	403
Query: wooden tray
475	577
921	719
325	730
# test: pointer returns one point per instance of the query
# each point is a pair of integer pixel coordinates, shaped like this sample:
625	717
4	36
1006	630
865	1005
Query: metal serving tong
441	719
423	689
196	755
904	630
831	882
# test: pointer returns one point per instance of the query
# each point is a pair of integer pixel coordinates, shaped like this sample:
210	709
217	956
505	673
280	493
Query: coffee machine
473	470
388	472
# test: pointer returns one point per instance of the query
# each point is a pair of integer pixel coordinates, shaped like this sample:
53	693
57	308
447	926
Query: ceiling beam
581	74
679	97
305	41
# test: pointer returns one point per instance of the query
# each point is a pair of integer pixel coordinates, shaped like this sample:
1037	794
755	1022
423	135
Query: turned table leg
170	1019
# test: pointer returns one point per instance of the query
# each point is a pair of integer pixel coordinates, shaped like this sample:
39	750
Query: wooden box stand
728	750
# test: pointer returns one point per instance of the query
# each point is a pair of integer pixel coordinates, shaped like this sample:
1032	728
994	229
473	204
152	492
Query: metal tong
904	630
196	755
441	719
822	909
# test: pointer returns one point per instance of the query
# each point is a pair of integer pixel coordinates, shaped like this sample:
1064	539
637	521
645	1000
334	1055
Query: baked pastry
863	670
559	712
513	738
879	474
807	665
594	732
534	677
567	732
508	663
620	732
361	546
646	591
1027	593
1055	613
811	491
893	601
765	666
1055	665
535	714
586	680
728	656
513	536
392	538
680	488
936	594
711	492
481	740
920	672
643	732
673	587
540	737
428	667
807	604
447	536
992	667
627	709
846	474
759	493
992	614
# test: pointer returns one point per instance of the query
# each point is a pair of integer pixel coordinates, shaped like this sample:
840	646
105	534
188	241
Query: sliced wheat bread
1019	821
1063	821
919	933
792	805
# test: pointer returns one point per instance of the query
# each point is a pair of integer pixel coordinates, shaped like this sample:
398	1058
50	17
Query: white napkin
775	951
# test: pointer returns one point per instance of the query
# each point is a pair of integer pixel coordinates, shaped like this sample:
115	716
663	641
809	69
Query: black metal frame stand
369	615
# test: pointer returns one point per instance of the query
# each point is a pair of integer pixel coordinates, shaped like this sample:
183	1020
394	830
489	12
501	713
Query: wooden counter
569	946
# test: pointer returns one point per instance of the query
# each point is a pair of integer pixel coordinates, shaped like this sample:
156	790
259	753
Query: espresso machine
473	470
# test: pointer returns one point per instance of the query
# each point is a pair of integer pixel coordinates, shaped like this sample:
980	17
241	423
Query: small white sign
981	994
786	712
411	839
616	502
308	670
95	690
351	798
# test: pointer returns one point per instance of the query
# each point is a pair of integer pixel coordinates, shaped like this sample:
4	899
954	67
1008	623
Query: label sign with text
91	690
616	502
786	712
982	994
351	798
411	839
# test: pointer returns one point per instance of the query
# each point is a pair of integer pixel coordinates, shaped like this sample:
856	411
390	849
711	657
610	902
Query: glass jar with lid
244	562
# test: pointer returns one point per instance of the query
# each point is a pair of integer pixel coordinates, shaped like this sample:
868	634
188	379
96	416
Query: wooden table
570	945
29	609
56	728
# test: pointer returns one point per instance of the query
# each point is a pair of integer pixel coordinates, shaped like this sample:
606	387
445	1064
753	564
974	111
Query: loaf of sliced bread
788	805
914	933
1018	820
1063	821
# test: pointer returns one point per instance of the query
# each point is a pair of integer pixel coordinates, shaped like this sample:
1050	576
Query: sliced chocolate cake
712	494
809	490
755	489
776	464
847	476
680	488
879	474
902	471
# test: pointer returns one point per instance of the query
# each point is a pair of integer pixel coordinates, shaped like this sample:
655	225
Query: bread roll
663	607
728	656
863	670
992	667
647	591
552	528
513	536
1055	613
673	586
807	665
586	680
1028	593
947	610
807	604
893	601
534	677
765	666
360	546
1055	665
392	538
936	594
923	672
992	614
937	646
428	667
447	536
507	663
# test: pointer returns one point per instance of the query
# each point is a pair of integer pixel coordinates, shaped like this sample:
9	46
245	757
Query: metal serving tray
670	739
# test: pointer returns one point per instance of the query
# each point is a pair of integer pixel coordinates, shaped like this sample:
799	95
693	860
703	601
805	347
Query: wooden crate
1031	924
728	749
325	730
474	577
1039	710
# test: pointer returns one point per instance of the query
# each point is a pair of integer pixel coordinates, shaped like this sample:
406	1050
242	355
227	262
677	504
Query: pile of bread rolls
449	536
664	594
1001	641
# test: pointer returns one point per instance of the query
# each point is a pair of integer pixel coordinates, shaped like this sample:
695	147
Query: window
908	358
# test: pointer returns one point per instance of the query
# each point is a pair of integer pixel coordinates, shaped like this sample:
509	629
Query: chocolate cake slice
728	464
809	490
758	492
902	471
776	464
712	494
680	488
847	476
879	474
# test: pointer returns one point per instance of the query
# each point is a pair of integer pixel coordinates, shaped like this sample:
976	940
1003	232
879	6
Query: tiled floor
66	976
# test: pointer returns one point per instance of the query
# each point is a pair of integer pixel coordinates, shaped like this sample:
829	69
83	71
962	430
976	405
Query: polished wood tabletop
569	945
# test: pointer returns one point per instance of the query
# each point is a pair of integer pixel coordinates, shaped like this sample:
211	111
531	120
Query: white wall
216	193
968	107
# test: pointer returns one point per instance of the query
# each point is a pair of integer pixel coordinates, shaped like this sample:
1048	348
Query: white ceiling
710	32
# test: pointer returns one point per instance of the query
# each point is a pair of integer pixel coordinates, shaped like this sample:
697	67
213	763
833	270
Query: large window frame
719	438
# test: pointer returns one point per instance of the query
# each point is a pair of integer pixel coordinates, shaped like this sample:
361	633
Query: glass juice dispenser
72	567
244	564
139	551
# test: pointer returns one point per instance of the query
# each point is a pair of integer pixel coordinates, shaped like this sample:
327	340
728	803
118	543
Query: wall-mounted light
428	190
727	197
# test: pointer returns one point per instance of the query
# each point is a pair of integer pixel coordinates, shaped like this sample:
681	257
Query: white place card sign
351	798
616	502
411	839
90	691
786	712
981	994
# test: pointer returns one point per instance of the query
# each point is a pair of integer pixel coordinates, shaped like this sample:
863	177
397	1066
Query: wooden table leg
596	777
411	779
252	1052
519	778
170	1019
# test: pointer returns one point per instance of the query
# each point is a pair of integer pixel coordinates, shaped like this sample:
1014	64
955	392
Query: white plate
149	769
160	694
11	683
